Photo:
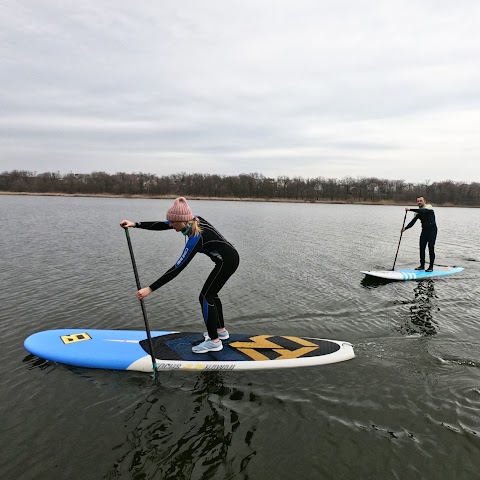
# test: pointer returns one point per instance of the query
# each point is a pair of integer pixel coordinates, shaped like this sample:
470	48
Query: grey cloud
285	87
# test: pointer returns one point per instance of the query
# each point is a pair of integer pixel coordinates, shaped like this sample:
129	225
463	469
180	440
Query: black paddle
401	233
137	279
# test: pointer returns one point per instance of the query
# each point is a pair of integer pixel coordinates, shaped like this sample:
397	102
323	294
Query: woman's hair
195	226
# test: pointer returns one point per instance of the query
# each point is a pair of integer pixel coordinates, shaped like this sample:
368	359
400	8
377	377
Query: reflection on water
421	319
374	282
186	439
33	362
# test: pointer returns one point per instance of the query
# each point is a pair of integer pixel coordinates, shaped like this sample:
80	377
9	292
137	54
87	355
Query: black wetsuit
429	232
211	243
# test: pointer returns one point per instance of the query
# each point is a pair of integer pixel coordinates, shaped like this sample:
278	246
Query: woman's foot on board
221	335
208	346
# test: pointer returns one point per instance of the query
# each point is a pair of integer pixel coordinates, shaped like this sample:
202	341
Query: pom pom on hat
180	211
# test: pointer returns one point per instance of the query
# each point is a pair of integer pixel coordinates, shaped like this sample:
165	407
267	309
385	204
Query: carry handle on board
401	233
144	311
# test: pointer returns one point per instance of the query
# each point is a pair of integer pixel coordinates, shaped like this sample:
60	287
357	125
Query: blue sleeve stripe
187	251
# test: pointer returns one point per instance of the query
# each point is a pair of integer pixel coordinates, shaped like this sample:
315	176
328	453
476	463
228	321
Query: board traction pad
239	347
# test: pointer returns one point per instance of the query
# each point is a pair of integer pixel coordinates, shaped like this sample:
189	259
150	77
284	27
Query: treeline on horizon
249	185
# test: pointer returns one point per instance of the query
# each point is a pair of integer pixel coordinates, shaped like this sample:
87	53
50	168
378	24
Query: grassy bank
225	199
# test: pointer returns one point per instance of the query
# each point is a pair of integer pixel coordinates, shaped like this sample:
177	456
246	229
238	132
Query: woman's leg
212	309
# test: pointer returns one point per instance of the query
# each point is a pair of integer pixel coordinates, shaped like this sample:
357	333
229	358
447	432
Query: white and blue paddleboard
412	274
129	350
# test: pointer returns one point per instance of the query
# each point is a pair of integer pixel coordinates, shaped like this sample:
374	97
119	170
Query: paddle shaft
142	303
400	239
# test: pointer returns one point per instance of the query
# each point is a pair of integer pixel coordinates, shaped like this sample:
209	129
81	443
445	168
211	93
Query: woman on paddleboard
425	213
202	237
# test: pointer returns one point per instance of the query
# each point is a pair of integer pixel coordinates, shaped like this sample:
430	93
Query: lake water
407	407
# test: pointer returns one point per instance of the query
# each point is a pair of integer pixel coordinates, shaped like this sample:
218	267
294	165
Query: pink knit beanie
180	211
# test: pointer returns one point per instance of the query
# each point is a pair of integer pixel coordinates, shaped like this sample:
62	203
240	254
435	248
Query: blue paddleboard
129	350
412	274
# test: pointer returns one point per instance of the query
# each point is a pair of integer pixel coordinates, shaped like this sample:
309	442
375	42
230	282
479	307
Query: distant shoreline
224	199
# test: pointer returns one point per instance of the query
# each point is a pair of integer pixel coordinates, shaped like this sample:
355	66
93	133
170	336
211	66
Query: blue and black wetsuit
211	243
429	232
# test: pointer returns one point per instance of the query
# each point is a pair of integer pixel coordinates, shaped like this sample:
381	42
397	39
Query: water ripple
409	399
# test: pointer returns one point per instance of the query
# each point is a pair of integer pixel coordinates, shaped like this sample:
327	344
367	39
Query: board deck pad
178	346
129	350
412	274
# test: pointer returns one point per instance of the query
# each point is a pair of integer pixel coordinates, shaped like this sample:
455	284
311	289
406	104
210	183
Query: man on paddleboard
425	213
202	237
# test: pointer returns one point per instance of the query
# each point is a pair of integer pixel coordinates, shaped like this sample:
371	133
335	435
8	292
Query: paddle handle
142	303
400	239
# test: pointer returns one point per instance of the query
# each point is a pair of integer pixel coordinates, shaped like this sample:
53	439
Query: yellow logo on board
75	337
261	342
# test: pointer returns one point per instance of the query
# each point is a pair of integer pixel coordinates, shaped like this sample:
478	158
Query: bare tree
245	185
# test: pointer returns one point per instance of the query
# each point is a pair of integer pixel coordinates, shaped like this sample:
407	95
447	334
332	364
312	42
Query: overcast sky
331	88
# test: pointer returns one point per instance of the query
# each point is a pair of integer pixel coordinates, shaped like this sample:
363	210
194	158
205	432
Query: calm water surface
408	405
